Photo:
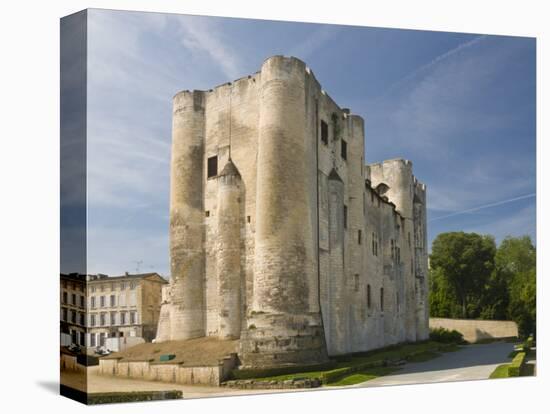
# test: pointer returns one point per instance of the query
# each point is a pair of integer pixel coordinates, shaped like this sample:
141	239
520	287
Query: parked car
101	350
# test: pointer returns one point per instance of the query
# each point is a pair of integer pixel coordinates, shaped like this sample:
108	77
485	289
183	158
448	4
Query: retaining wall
166	372
476	330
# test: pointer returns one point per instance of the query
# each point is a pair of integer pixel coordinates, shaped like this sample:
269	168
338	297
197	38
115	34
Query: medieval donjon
280	235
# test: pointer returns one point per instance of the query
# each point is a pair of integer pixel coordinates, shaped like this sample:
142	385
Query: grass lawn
365	375
412	352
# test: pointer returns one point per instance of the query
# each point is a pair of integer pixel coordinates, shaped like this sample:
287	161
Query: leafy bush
446	336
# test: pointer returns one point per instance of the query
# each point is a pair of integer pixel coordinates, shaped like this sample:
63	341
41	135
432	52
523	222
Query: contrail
428	65
498	203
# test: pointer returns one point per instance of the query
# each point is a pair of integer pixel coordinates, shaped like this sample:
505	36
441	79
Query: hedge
274	372
516	367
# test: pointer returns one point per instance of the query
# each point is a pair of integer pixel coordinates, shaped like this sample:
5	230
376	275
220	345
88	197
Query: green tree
465	261
516	262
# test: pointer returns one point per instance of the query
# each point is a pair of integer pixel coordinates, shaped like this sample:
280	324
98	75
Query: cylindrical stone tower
283	326
338	320
186	216
228	252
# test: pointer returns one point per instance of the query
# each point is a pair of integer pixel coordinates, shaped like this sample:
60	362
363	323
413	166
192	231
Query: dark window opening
359	236
248	219
356	283
212	166
207	213
381	299
324	132
344	150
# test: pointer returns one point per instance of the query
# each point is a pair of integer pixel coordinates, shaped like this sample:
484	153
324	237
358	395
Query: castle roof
334	175
230	169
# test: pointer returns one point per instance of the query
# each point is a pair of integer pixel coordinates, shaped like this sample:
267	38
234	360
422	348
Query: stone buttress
284	323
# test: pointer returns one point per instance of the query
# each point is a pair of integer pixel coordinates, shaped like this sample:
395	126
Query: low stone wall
166	372
69	363
475	330
273	384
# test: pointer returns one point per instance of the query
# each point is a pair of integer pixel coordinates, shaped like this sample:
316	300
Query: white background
29	206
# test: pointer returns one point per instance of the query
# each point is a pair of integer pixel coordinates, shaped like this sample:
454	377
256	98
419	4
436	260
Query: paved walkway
472	362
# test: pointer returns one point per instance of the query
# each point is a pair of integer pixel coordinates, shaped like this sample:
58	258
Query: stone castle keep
280	235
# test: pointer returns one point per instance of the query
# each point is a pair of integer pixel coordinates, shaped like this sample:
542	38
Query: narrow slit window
344	150
213	166
359	236
324	132
356	283
381	299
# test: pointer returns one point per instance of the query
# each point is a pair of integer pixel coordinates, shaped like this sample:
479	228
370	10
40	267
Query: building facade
72	299
97	307
123	306
280	235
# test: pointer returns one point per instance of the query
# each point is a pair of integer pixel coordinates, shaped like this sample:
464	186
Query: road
472	362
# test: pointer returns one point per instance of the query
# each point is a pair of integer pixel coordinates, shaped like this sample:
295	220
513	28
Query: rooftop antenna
138	263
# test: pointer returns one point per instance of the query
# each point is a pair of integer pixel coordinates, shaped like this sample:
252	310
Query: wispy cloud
495	204
201	36
426	67
315	41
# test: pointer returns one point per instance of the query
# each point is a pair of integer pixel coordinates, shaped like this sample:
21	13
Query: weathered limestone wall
284	324
475	330
228	252
187	317
309	251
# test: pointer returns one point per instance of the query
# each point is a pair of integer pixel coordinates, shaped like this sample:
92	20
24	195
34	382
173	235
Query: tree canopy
471	278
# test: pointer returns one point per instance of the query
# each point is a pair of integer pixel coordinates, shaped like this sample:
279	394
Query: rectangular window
102	301
92	302
123	318
93	289
92	339
65	297
132	318
113	301
122	286
102	321
132	285
102	339
82	319
356	283
92	319
409	238
113	318
102	287
82	339
368	297
64	313
73	299
359	236
392	248
381	299
82	302
324	132
73	316
344	150
212	166
345	216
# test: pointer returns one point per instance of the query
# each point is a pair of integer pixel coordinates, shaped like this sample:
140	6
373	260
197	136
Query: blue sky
460	106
